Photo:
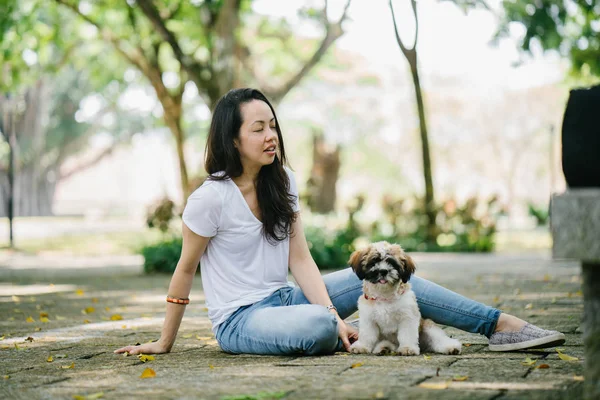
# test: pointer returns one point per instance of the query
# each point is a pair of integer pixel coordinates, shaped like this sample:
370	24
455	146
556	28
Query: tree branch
333	32
90	163
136	58
405	51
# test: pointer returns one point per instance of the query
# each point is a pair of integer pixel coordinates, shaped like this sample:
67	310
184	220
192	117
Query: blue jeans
285	323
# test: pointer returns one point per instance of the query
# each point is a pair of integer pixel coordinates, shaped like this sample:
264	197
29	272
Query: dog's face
382	263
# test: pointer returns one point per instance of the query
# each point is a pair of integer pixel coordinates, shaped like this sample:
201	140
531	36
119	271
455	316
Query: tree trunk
429	194
321	185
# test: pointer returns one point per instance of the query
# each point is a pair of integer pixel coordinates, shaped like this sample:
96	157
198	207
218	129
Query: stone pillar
575	221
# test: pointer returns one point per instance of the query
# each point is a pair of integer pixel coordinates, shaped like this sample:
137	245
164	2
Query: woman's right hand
146	348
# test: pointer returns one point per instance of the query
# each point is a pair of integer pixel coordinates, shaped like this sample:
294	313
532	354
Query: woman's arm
307	275
180	286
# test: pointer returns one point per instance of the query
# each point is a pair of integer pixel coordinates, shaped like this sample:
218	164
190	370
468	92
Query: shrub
162	256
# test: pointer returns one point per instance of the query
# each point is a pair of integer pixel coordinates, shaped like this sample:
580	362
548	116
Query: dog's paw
358	348
384	347
452	347
408	350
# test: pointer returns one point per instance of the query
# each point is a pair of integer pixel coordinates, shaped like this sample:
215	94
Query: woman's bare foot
509	323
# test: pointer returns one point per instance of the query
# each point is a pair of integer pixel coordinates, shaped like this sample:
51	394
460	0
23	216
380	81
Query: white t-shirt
239	266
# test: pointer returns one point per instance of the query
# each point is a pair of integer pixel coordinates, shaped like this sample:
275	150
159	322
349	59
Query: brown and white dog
390	321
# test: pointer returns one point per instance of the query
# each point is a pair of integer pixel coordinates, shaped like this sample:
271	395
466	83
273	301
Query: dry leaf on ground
528	362
356	365
459	378
148	373
116	317
92	396
49	359
68	366
145	358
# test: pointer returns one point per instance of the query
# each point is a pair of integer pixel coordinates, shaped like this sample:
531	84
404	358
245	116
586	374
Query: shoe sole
540	343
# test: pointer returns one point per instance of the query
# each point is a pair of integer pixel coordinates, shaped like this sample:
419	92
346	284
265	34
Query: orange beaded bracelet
176	300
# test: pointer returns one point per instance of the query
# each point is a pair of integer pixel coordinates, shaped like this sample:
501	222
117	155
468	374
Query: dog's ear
356	261
409	267
407	263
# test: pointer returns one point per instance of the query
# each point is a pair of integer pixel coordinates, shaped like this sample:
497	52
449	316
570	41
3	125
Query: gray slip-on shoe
529	337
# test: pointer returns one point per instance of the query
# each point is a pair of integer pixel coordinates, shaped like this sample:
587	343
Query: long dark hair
272	185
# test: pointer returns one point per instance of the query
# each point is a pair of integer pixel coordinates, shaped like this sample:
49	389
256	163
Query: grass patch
110	243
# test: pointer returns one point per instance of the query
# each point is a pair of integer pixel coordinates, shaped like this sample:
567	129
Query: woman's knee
320	334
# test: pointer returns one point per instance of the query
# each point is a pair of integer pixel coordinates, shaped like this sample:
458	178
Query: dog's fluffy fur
390	321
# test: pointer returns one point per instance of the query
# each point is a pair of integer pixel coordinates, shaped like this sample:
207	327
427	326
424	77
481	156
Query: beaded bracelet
176	300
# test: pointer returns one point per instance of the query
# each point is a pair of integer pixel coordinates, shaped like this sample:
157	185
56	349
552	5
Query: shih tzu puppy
390	321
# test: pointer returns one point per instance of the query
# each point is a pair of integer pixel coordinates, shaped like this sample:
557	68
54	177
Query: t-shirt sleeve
293	189
202	213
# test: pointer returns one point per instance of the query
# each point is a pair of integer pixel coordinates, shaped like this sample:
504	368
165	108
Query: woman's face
258	141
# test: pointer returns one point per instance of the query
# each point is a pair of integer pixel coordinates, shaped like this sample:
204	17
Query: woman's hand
146	348
347	333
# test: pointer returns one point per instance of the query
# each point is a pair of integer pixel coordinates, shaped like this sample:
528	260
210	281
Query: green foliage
541	213
467	228
162	256
570	27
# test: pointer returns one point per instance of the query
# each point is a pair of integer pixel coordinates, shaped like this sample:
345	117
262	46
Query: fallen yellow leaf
543	366
356	365
17	347
16	299
2	337
547	278
187	336
93	396
467	344
6	376
30	319
49	359
68	366
203	337
496	299
211	342
37	329
79	292
211	366
426	357
459	378
529	306
148	373
579	378
43	314
86	321
528	362
44	319
145	358
59	318
116	317
89	310
124	326
566	357
94	300
434	385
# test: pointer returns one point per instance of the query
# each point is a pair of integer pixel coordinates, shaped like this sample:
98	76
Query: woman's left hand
347	333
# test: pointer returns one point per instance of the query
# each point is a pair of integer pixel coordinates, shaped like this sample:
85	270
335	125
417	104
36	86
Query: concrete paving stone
198	369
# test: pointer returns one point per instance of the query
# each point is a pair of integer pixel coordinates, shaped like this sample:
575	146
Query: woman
244	225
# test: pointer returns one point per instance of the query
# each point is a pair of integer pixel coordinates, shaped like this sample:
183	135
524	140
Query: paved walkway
79	315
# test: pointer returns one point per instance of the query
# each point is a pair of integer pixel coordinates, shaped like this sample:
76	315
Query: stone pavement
78	319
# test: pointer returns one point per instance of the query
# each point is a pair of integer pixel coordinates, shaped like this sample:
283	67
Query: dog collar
400	293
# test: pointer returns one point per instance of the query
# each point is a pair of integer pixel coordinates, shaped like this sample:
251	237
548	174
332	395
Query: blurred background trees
110	101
